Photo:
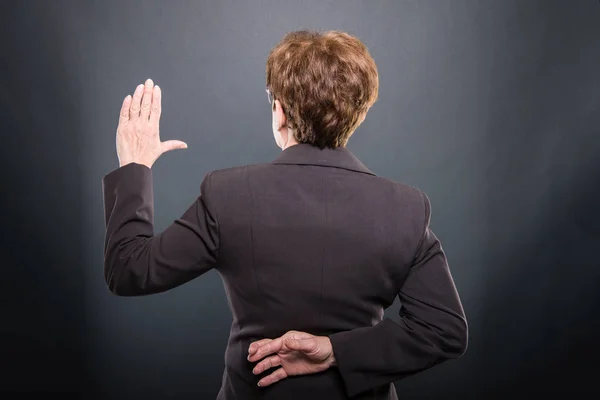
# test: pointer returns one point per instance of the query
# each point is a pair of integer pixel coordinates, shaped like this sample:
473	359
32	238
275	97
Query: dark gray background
492	107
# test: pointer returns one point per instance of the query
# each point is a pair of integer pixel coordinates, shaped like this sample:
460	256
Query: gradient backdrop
492	107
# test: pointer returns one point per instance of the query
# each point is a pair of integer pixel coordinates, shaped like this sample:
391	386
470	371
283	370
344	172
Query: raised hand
298	353
138	139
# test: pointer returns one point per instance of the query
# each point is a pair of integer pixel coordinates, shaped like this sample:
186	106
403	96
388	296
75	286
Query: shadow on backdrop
40	229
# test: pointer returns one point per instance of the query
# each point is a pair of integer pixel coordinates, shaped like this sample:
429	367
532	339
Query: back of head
325	82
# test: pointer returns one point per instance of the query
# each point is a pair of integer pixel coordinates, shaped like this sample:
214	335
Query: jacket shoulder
232	177
232	174
237	172
402	189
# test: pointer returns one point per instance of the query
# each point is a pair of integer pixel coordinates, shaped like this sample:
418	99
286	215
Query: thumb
173	145
304	345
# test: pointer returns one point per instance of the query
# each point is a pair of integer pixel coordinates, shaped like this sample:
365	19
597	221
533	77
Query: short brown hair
326	83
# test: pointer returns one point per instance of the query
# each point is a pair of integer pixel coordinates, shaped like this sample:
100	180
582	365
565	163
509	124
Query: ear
363	117
281	118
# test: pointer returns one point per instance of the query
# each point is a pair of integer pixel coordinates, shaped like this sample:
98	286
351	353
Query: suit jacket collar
306	154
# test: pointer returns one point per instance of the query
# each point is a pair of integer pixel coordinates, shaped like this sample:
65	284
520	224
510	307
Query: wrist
124	163
332	362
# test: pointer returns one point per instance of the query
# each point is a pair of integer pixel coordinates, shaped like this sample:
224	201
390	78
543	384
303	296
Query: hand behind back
298	353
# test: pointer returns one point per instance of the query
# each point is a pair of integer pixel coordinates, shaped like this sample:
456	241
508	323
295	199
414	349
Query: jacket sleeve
432	327
137	262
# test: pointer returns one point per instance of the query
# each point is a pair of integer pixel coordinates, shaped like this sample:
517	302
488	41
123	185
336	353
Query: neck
288	140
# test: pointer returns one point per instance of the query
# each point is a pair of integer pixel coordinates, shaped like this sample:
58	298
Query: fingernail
148	81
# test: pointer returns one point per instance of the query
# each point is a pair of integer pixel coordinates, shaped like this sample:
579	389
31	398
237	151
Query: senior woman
312	247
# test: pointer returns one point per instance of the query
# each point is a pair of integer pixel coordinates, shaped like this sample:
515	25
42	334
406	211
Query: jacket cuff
123	183
127	173
343	344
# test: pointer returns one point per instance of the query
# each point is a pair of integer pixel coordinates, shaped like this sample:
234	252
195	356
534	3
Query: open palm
138	139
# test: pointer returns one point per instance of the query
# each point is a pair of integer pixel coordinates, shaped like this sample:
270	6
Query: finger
147	99
298	335
255	345
124	114
156	108
267	363
173	145
272	347
276	376
303	345
134	110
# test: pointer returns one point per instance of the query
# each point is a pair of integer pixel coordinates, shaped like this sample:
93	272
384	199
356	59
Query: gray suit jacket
314	242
